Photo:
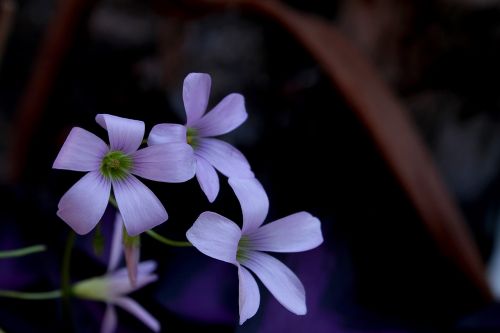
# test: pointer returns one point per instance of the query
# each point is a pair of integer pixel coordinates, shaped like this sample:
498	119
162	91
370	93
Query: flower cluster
176	153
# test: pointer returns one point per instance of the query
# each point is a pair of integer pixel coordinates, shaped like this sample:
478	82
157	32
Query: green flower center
116	165
192	137
243	248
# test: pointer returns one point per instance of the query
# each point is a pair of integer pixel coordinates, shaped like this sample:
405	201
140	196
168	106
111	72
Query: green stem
153	234
167	241
37	296
22	252
113	202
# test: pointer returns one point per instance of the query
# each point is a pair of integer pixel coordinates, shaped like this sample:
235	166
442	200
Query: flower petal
208	178
169	162
124	134
224	157
195	93
215	236
253	201
140	208
83	205
167	133
144	268
249	295
119	282
139	312
116	244
82	151
294	233
223	118
279	279
109	321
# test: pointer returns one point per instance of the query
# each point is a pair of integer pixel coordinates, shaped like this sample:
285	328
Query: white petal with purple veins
224	157
253	200
167	133
279	279
170	162
229	114
195	93
215	236
249	295
295	233
139	312
83	205
208	178
82	151
125	135
141	210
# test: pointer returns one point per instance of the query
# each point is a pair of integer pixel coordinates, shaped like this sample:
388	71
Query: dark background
379	269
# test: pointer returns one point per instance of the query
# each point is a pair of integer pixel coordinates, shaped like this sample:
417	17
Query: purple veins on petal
229	114
140	208
279	279
167	133
82	151
220	238
294	233
208	178
249	295
172	162
253	201
215	236
224	157
124	134
83	205
226	116
195	93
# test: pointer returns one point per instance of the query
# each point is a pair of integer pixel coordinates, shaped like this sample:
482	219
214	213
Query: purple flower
220	238
210	153
114	166
113	287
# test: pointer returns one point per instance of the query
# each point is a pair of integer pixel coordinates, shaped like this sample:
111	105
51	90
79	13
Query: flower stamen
192	137
243	248
116	165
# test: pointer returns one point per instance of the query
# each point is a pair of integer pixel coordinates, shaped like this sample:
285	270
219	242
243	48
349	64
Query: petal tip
136	231
301	310
196	75
76	228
